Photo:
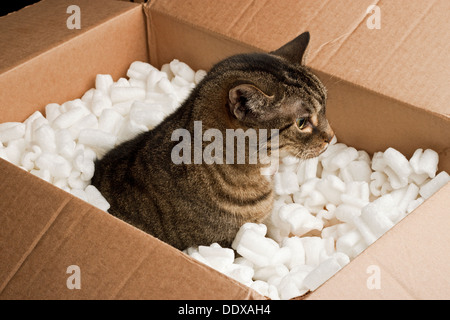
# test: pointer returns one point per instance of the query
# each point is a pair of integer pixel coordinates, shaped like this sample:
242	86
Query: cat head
277	91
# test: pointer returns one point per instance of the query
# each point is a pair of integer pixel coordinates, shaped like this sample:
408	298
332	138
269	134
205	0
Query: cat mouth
316	152
309	154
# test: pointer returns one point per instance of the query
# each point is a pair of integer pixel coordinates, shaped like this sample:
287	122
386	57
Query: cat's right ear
248	101
294	51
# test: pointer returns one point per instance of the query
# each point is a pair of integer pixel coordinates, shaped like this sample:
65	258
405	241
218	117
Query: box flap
404	59
42	61
203	32
46	230
410	261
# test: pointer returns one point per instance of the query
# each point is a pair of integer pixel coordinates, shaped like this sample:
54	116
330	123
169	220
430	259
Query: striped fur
198	204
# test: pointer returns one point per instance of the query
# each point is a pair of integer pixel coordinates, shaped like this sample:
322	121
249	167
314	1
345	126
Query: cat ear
246	100
294	51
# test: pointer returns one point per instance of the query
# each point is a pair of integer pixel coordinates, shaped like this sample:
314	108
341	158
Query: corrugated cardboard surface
406	58
374	122
42	61
411	260
205	31
45	230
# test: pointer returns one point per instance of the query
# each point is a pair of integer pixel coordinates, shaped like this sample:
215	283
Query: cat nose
329	134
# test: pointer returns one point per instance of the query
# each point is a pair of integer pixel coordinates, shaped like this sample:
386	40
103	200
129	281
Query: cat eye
301	122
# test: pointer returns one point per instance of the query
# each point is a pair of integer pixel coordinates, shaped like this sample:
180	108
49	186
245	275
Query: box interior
123	261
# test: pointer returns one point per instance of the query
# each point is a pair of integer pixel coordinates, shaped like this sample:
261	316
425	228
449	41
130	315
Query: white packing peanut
347	242
139	70
314	250
52	111
100	101
44	174
342	195
377	181
121	94
14	151
375	215
429	162
425	162
398	168
167	70
67	119
165	86
129	130
103	83
65	144
295	244
396	181
322	273
346	212
30	157
138	83
299	219
261	287
288	289
241	273
97	139
110	121
411	194
34	122
251	243
45	138
343	158
199	75
285	182
10	131
219	258
414	204
153	78
315	201
378	161
360	170
79	194
183	70
147	114
95	198
364	231
265	273
431	187
75	181
57	165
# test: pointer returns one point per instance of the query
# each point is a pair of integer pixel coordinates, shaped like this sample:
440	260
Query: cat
193	204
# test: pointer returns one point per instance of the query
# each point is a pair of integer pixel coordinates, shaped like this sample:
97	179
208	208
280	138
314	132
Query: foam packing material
327	210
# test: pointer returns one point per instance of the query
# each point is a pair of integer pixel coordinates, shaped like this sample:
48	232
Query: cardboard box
388	87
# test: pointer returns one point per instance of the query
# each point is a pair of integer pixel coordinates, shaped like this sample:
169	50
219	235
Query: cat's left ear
248	101
294	51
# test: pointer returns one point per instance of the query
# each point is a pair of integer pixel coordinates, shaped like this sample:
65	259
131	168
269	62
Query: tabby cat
199	204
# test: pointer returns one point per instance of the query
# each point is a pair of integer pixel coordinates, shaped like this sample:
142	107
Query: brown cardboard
45	230
209	31
404	59
42	61
412	260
